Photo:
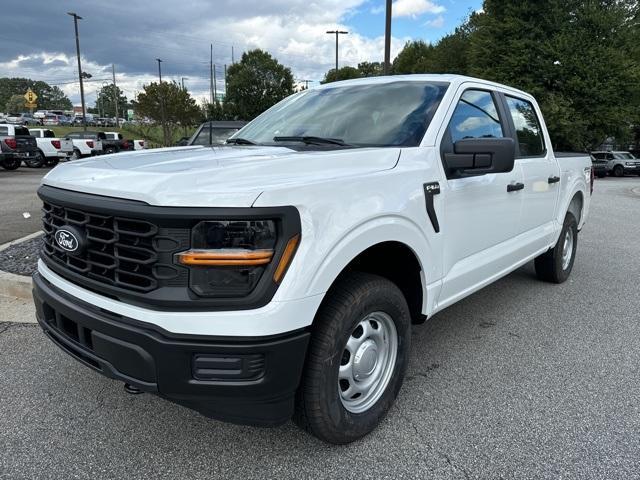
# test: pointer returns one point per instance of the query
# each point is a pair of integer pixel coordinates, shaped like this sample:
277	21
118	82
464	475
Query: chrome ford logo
67	240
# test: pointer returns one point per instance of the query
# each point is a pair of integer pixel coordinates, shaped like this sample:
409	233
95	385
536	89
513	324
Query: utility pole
337	32
116	97
387	39
77	17
211	76
215	85
232	59
183	82
164	130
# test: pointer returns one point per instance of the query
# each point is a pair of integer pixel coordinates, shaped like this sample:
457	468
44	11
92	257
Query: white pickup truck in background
51	149
278	276
86	144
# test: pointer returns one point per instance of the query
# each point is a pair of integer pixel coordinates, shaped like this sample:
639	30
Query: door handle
554	179
512	187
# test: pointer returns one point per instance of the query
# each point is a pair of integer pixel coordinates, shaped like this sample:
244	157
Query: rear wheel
357	359
52	161
555	265
75	155
11	163
618	171
37	161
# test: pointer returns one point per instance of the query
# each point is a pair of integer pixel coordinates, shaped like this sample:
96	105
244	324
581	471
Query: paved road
18	196
521	380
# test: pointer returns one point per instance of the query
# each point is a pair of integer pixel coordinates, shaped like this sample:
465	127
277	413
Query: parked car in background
599	166
114	142
215	132
51	119
618	162
16	145
51	149
40	114
86	144
256	284
23	119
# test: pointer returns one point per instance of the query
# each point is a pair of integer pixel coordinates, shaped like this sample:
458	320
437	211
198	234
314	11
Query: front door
480	215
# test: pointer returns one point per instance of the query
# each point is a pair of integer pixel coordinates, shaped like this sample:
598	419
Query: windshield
218	136
380	114
624	156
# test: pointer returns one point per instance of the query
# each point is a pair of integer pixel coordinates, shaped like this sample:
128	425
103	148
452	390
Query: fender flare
387	228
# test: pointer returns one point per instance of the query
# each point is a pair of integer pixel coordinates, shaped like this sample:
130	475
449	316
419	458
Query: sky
37	40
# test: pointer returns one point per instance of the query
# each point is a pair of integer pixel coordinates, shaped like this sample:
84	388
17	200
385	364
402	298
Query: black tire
319	408
36	162
549	265
602	175
618	171
75	155
11	163
52	162
109	151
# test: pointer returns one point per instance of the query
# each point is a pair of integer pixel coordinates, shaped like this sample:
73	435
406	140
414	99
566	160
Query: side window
609	156
475	116
527	127
49	134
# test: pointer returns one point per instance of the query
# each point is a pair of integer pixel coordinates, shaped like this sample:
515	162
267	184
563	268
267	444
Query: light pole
183	79
77	17
337	32
164	130
387	39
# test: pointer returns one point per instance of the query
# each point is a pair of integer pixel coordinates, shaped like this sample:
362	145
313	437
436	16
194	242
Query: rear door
540	171
480	216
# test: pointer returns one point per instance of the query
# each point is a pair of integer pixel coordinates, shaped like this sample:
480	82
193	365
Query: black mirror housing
479	156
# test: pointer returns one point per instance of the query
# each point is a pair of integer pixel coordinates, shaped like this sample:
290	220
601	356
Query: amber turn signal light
287	256
225	257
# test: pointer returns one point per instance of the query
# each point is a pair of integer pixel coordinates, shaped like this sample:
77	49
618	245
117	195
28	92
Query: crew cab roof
454	80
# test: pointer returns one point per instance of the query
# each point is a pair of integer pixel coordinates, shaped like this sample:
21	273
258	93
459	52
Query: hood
228	176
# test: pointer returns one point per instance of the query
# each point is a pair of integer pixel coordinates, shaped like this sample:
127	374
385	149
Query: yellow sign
30	96
31	106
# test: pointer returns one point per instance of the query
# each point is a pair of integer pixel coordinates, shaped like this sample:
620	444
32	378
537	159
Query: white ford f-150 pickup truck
278	276
51	149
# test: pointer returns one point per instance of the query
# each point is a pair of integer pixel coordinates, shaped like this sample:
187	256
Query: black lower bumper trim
247	382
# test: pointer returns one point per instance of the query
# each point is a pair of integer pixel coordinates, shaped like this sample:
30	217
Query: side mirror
479	156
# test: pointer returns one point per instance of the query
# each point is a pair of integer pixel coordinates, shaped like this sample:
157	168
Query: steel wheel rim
567	249
367	362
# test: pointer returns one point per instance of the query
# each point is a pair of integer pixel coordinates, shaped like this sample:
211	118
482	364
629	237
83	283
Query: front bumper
246	381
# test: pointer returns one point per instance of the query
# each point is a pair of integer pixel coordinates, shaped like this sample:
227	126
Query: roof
419	77
226	124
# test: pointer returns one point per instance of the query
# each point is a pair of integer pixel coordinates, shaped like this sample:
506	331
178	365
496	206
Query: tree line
580	59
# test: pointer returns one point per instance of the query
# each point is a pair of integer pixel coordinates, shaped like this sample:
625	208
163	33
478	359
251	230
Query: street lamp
337	32
81	75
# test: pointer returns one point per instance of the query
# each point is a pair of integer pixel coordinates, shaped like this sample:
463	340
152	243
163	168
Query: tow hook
130	389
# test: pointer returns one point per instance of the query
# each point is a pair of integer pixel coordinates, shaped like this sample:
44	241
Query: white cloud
437	22
415	8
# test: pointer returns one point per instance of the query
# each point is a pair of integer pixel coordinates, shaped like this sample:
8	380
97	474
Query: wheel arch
394	249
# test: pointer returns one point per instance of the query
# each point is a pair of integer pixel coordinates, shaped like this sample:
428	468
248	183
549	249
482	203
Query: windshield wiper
312	140
240	141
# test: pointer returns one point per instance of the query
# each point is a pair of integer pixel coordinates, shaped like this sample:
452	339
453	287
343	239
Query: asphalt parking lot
18	196
521	380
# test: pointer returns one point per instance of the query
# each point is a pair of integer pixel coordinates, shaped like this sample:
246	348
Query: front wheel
36	162
555	265
618	171
357	359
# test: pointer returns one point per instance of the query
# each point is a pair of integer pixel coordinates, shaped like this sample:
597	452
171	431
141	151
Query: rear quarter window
527	125
4	130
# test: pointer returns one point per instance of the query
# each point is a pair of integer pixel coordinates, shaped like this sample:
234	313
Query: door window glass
527	126
476	116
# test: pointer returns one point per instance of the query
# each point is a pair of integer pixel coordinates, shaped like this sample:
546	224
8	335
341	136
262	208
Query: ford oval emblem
67	240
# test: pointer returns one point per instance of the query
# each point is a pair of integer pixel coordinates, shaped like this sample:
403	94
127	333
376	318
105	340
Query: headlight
630	164
228	258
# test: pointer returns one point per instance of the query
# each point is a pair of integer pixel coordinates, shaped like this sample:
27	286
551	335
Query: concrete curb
12	285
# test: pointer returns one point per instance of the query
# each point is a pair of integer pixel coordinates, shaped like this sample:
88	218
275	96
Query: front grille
119	251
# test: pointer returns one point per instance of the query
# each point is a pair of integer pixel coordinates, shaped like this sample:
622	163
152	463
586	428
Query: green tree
49	97
370	69
415	57
343	73
105	101
256	83
15	104
578	58
168	105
